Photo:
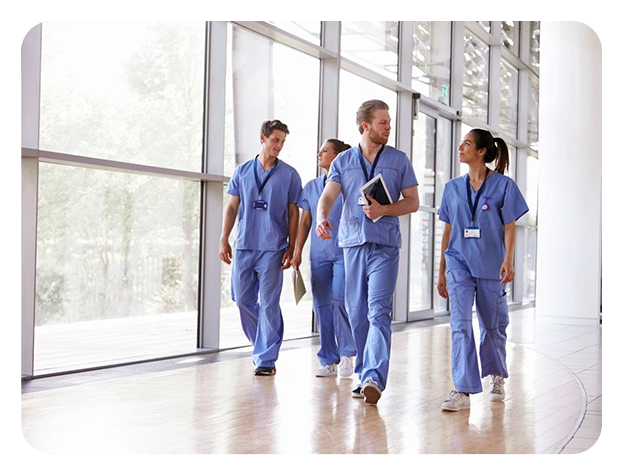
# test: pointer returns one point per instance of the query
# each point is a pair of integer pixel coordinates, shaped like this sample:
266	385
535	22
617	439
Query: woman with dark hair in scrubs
478	244
337	347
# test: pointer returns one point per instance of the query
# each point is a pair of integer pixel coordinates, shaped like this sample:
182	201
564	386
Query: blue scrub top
355	227
321	249
483	257
264	230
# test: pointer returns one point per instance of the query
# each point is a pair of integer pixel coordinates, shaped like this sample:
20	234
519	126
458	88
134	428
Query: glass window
486	25
510	36
421	262
533	115
354	91
127	91
117	267
373	44
509	89
535	44
431	59
476	78
423	157
444	157
531	195
441	304
265	80
307	30
529	276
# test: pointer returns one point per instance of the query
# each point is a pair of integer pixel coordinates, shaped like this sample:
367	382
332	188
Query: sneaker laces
346	362
496	384
453	396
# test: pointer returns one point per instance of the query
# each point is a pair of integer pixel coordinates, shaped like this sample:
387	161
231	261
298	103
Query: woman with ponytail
478	244
337	346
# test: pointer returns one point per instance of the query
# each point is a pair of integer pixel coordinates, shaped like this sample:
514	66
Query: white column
31	78
568	258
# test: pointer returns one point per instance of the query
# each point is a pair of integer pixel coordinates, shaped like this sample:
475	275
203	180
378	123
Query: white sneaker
371	392
497	389
346	366
327	370
456	401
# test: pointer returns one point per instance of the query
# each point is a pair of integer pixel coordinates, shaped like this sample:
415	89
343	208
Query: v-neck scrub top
355	227
264	230
482	256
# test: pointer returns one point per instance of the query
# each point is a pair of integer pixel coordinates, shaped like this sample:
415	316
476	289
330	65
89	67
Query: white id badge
361	201
471	233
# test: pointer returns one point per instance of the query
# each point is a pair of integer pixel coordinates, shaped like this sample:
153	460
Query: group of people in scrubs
354	252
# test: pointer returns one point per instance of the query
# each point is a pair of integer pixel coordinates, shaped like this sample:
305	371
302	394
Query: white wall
569	239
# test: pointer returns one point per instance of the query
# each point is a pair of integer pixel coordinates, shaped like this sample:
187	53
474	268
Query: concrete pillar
569	211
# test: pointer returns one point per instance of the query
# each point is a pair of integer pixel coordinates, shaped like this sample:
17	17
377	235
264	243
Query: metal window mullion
404	137
494	86
329	83
286	38
31	99
209	305
457	65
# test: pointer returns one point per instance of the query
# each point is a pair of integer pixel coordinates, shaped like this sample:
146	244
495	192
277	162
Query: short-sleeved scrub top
321	249
355	227
264	230
504	202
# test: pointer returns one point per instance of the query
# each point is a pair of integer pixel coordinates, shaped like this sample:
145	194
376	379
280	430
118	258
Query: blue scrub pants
262	323
371	273
492	312
336	338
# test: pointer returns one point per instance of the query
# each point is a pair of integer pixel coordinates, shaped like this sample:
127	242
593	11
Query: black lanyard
257	180
324	181
473	206
363	165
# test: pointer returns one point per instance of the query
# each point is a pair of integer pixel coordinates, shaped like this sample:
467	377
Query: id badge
471	233
261	205
361	201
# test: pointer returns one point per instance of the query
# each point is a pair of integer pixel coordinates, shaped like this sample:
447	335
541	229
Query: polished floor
213	404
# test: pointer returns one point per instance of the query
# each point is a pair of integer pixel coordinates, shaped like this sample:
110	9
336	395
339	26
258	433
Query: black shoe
265	371
357	392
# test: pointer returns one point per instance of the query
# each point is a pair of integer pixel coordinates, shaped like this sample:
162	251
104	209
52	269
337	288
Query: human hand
374	209
322	229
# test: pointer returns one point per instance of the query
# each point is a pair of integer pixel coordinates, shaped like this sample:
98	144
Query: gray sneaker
496	393
346	366
456	401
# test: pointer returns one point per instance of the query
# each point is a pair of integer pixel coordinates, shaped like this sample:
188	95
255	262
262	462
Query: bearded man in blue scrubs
371	248
265	190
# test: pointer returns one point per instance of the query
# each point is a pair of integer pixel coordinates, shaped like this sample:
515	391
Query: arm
330	194
304	227
228	224
507	272
409	204
441	281
293	224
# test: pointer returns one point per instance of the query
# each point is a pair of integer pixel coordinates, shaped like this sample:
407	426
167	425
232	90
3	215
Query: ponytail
502	158
496	149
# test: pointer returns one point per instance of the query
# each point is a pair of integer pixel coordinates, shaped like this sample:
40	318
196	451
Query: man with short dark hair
371	245
266	191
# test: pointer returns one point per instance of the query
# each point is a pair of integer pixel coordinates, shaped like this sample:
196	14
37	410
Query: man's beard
378	138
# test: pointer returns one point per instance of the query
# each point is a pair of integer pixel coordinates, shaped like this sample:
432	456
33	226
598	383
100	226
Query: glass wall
476	78
265	80
135	97
431	59
509	90
354	90
119	239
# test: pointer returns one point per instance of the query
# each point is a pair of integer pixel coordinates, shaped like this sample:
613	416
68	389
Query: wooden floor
553	402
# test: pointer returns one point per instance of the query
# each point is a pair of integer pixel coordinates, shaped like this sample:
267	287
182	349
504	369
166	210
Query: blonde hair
366	111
